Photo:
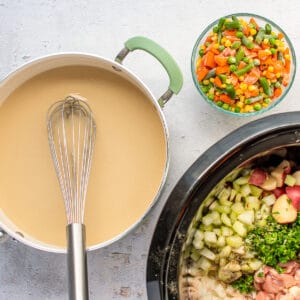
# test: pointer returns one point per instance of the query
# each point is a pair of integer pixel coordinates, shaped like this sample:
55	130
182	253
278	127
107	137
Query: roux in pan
128	164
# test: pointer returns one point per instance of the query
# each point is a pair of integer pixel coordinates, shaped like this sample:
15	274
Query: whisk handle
77	263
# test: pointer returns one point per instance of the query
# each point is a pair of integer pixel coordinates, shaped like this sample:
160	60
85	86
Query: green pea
215	29
256	62
272	41
267	100
205	89
225	106
201	52
257	106
268	28
245	60
231	60
211	96
277	84
221	47
219	103
273	50
239	34
237	109
232	68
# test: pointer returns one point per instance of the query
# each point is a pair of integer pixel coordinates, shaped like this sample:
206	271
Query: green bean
266	87
254	99
219	37
222	77
247	42
230	91
220	24
239	56
244	70
260	36
232	25
268	28
236	45
210	74
234	18
280	55
232	68
215	29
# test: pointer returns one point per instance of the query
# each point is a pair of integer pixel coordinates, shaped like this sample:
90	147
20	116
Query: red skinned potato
283	211
280	172
258	177
297	177
270	184
293	192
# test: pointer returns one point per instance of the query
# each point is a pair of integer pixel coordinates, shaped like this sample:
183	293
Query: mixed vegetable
243	67
249	221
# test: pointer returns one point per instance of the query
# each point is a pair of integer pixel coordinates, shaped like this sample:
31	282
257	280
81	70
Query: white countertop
33	28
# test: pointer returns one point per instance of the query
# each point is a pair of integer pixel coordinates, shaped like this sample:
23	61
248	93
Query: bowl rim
292	73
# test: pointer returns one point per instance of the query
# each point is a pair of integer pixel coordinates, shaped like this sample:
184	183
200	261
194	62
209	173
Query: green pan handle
175	75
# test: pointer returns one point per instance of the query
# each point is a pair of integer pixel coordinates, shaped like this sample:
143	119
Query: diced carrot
255	72
216	98
242	64
256	48
280	35
234	79
250	79
254	23
221	60
215	51
287	65
270	75
247	94
254	93
208	60
246	30
229	32
277	92
278	66
287	51
218	82
263	54
226	99
201	73
265	46
222	70
208	39
286	79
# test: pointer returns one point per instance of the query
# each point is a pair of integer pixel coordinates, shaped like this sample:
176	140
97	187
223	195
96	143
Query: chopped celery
208	254
221	241
232	195
247	217
198	244
224	194
238	207
255	191
208	219
239	228
226	231
269	199
252	202
195	255
242	180
226	220
204	264
234	241
290	180
210	237
223	209
225	252
245	190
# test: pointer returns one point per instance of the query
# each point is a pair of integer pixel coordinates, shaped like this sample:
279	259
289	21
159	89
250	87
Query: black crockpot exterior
242	144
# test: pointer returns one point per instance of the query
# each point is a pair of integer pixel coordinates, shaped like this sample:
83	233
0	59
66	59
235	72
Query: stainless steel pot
252	141
35	67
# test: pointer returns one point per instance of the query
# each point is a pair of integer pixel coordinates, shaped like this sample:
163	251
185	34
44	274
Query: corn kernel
271	69
250	38
251	87
211	91
216	45
223	86
261	89
265	105
227	43
266	41
206	82
287	56
239	91
264	73
243	86
228	81
253	31
280	48
242	98
247	108
273	33
278	75
202	47
213	38
240	104
212	80
223	40
241	78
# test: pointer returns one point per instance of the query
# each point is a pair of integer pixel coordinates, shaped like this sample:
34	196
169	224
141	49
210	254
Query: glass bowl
264	107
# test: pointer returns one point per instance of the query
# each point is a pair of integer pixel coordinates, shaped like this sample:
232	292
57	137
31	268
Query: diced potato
223	209
269	199
297	177
245	190
221	241
270	184
216	218
283	210
239	228
199	235
208	219
198	244
242	180
247	217
255	264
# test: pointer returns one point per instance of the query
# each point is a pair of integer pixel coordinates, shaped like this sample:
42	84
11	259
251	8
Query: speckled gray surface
33	28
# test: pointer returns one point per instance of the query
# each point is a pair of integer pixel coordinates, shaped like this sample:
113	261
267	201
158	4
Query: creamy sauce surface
128	163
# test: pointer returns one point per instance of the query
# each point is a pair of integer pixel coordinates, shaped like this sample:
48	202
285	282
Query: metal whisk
71	135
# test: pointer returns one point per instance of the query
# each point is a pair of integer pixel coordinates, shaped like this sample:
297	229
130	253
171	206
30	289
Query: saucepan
123	171
261	142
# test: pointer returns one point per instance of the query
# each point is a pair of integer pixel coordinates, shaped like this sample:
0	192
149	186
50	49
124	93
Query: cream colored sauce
128	163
